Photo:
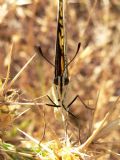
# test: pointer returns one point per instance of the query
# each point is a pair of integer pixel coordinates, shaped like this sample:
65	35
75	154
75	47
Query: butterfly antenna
39	51
78	48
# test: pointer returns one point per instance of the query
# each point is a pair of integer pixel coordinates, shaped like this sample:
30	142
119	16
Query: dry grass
28	128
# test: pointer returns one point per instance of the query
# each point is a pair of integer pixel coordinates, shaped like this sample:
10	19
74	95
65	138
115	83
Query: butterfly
59	95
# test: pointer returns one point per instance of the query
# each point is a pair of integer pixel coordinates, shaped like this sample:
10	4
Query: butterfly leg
85	105
53	104
67	110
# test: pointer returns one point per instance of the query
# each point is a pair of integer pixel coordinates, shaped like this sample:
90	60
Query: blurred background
94	23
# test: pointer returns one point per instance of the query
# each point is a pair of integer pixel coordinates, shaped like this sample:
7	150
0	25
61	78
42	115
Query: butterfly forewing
61	71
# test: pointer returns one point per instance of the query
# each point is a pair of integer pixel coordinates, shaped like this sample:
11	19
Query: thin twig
8	69
18	74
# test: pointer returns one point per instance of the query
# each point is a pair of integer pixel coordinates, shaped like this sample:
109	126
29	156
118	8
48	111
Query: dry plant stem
35	99
116	155
20	153
21	103
95	133
88	21
44	118
92	137
8	69
18	74
109	128
94	112
21	114
31	37
54	133
99	102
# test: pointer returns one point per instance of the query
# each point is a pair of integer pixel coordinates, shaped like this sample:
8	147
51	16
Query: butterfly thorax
60	93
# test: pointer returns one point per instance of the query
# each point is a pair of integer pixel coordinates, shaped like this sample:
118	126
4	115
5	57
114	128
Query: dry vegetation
28	128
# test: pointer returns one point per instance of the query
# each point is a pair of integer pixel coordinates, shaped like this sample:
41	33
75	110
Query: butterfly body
59	96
